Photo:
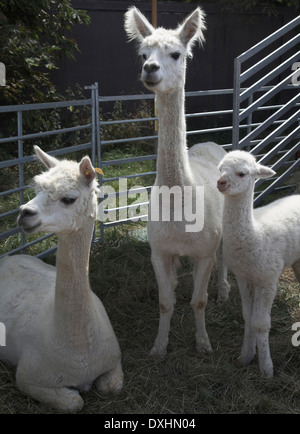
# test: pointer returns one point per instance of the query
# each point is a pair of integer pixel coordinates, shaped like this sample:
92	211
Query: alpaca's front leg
30	381
249	343
261	323
202	271
223	284
165	272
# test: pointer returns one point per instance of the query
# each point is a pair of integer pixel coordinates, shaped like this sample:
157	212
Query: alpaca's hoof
67	401
223	292
245	359
267	372
241	362
76	404
110	383
158	351
203	347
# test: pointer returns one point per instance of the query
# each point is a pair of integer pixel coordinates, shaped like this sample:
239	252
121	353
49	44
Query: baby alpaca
258	245
58	334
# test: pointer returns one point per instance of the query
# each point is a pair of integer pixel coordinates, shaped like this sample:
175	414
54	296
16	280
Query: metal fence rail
274	137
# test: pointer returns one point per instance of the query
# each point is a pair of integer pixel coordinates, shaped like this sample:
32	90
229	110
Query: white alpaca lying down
258	244
58	334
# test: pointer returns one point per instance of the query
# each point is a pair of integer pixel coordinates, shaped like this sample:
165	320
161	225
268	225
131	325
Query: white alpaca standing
258	245
58	334
164	53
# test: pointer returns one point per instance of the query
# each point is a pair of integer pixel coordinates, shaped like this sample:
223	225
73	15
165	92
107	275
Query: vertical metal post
21	168
94	124
97	127
99	150
154	24
94	89
249	121
236	104
93	153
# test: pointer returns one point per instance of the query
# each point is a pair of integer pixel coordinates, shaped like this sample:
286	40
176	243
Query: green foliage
126	112
34	35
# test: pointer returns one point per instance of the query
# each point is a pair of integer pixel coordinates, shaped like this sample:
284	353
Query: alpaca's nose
221	184
151	67
25	214
222	181
28	219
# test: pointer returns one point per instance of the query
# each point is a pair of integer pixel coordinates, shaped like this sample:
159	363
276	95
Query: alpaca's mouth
151	83
30	229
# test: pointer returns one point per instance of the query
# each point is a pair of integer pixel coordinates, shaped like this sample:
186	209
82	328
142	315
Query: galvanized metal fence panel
95	147
274	137
20	161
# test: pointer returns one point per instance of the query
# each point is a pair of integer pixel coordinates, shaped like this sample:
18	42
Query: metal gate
266	105
15	183
203	124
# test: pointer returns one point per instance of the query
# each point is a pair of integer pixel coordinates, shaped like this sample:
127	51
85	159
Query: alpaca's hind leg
165	271
249	343
202	271
223	284
61	398
112	381
296	268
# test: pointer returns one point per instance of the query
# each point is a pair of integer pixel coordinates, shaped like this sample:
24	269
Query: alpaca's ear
192	29
86	170
264	172
136	25
46	159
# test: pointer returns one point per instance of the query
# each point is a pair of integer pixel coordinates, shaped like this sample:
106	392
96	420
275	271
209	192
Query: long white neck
73	302
173	166
238	211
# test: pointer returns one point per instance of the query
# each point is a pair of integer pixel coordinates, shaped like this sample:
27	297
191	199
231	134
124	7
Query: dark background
108	58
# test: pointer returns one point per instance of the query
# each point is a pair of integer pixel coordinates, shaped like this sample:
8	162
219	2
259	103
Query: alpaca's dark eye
68	200
241	174
175	56
145	56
